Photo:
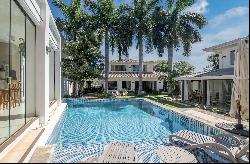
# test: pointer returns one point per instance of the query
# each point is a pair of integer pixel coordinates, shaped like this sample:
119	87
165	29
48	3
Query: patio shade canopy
241	81
226	73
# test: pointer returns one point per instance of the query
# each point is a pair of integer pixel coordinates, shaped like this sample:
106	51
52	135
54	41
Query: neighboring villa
30	73
213	88
124	74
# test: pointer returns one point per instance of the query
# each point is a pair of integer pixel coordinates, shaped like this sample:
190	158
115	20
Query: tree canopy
180	68
81	45
174	26
213	60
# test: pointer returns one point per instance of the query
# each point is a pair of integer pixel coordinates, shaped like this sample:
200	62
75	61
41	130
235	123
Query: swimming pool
86	126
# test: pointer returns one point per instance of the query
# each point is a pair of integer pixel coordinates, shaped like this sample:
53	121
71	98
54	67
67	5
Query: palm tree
103	12
142	16
123	28
81	45
70	25
175	27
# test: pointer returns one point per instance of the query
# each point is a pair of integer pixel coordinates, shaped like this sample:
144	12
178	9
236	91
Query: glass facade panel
17	68
17	47
112	85
232	57
4	69
135	68
118	67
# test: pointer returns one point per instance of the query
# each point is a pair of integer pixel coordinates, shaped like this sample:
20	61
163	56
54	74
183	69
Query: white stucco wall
225	61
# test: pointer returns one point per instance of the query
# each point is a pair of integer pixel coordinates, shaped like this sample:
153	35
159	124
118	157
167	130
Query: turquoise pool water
87	126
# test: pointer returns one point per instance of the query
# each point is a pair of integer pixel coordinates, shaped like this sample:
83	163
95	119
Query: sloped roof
211	74
134	75
218	72
225	44
125	61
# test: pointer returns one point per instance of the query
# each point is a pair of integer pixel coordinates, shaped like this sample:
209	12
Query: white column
221	91
119	85
180	84
58	74
201	91
42	65
208	93
159	85
185	90
132	85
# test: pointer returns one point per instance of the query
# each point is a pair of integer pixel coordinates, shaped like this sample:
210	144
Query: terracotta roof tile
134	75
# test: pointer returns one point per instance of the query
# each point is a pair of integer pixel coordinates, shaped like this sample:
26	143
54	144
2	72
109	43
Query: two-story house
124	74
213	88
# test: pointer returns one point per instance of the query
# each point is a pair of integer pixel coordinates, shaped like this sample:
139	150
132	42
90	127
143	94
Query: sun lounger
225	145
174	154
116	152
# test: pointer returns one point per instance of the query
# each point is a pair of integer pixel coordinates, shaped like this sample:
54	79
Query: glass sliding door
4	69
17	68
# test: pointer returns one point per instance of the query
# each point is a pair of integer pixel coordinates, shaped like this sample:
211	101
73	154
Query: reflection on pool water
87	126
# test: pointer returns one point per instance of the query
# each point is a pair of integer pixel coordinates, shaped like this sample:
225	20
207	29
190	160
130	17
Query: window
112	85
4	68
126	85
144	68
17	67
135	68
118	67
232	57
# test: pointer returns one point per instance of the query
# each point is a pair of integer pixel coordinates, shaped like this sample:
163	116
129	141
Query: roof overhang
219	47
225	77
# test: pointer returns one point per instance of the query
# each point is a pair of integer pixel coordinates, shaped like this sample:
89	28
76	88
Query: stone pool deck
204	116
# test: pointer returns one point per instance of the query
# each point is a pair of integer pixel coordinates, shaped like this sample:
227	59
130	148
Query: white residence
124	74
30	73
213	88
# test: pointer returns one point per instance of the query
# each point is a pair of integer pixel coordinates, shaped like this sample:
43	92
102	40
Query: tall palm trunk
170	57
170	66
140	63
106	60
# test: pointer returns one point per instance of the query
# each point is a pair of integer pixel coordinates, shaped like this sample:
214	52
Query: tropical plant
103	16
180	68
175	26
142	25
81	45
213	62
123	30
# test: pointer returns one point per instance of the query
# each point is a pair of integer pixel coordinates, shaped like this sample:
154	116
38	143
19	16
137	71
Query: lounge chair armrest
227	139
217	148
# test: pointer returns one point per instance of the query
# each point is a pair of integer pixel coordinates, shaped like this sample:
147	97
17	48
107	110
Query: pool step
43	154
18	153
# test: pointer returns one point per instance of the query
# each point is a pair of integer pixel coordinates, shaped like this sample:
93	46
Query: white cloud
199	7
229	14
199	58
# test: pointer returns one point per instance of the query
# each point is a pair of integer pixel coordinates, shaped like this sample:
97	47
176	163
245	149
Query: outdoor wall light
48	49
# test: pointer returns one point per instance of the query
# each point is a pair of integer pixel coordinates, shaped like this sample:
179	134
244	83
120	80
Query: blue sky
227	20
